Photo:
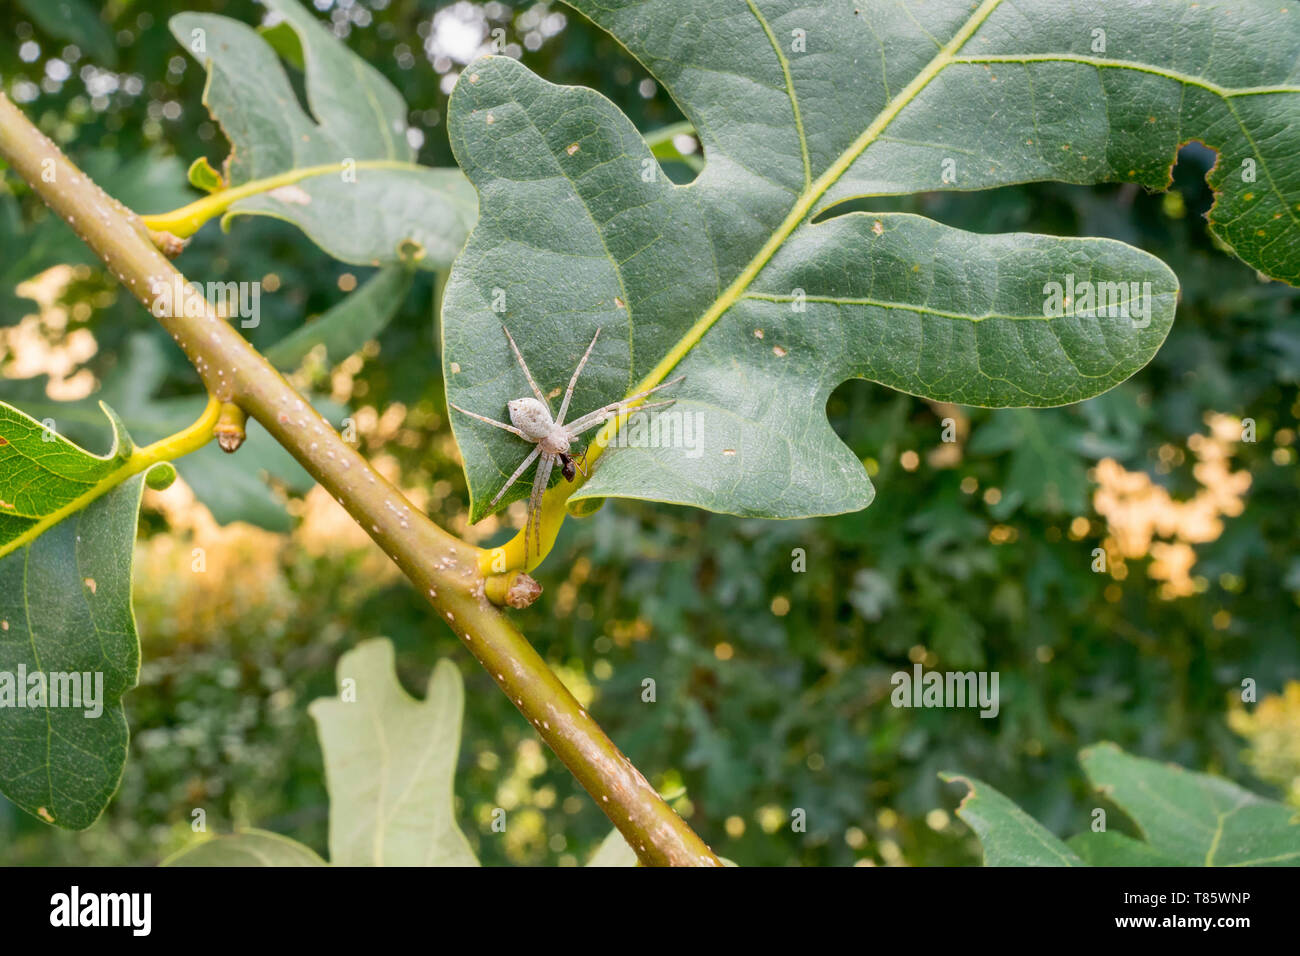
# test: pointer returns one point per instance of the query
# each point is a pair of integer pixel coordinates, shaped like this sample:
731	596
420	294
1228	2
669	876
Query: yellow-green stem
187	220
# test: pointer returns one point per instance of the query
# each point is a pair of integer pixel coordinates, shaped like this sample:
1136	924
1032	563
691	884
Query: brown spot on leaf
90	583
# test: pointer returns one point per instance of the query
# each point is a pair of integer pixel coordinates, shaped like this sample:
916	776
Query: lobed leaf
1185	819
390	761
346	174
1194	818
750	283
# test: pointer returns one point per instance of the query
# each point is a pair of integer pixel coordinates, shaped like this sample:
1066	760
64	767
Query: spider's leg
534	525
491	421
600	415
523	466
568	393
524	365
592	416
581	462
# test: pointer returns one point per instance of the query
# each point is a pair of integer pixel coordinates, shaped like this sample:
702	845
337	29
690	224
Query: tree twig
444	568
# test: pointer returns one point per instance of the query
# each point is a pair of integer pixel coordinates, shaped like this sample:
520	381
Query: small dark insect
570	466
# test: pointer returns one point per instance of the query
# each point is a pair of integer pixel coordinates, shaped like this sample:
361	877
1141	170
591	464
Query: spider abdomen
531	417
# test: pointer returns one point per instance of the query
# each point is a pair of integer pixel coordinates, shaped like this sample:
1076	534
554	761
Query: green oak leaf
1010	836
65	609
246	848
1185	819
390	762
1194	818
750	283
346	174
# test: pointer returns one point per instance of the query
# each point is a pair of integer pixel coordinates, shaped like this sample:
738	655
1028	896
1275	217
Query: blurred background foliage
771	643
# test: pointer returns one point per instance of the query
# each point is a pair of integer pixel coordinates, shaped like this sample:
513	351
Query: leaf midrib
801	210
1072	313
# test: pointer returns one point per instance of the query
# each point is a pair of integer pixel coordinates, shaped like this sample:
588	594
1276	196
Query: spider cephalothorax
531	420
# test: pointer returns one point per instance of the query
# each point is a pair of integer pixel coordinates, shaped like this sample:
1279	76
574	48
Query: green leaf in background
65	609
349	324
30	249
76	22
346	175
1193	818
666	146
246	848
1010	836
284	41
1046	473
232	487
750	281
390	762
1185	818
